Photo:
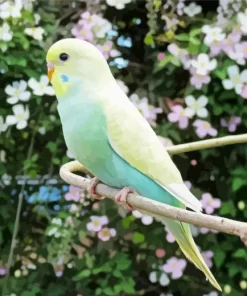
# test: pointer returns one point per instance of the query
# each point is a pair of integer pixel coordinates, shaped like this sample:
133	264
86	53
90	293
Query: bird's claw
121	197
93	183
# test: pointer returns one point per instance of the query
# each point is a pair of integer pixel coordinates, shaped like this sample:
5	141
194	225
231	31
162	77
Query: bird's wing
132	138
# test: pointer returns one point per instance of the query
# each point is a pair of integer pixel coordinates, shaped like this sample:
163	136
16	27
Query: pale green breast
84	128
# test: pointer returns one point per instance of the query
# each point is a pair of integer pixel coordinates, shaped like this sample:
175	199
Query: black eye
63	57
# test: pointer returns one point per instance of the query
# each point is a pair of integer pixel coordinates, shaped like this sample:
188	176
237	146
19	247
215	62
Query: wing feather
131	136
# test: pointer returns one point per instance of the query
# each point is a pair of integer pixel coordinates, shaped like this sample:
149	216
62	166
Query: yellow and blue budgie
110	137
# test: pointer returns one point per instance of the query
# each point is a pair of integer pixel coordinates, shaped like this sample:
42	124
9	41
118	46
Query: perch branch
205	144
139	202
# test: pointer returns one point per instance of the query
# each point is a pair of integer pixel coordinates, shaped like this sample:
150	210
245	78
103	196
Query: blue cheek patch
64	78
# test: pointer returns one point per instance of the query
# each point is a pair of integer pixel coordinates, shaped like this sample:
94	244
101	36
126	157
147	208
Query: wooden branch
205	144
202	220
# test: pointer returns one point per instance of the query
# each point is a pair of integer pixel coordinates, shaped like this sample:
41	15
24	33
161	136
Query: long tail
183	236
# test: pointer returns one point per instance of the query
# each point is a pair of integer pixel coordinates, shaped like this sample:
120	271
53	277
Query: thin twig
205	144
139	202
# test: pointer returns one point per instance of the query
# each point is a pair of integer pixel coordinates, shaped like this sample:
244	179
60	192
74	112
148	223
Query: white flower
70	154
8	9
20	117
41	87
146	220
101	27
17	92
5	32
237	79
123	86
36	33
203	65
56	221
2	156
119	4
3	126
196	107
163	279
192	9
242	20
37	18
212	34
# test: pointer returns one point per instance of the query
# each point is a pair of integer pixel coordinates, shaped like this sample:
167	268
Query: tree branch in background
202	220
205	144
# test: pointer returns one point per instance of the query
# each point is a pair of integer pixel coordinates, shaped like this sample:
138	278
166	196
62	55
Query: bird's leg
121	197
93	183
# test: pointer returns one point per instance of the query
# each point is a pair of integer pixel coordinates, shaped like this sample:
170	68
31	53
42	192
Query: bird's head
75	57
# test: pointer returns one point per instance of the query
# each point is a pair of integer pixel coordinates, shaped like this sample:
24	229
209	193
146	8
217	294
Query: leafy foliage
189	82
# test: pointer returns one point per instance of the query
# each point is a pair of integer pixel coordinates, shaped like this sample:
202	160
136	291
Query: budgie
110	137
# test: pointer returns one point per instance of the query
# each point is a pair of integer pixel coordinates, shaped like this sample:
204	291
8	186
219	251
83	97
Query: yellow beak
50	70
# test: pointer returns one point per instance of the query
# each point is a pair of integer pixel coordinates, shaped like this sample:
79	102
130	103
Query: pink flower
188	184
244	49
97	223
244	92
180	115
177	51
2	271
198	80
83	31
232	39
207	256
107	50
73	194
231	124
204	128
169	236
149	112
216	47
160	253
175	266
211	294
205	230
209	203
106	233
160	56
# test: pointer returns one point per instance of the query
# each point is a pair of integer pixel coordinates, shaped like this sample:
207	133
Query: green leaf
182	37
219	258
218	110
128	287
109	291
56	160
117	289
195	32
195	41
220	73
82	275
163	63
240	253
117	273
233	269
127	221
89	261
138	238
52	147
149	40
238	183
228	208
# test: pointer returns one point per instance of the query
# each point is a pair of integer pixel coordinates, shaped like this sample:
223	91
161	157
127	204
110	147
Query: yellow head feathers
75	57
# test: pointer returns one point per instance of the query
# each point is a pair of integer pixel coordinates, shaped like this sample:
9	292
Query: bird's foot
121	197
93	183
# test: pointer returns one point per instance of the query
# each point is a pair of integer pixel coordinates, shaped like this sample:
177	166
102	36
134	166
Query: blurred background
182	63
